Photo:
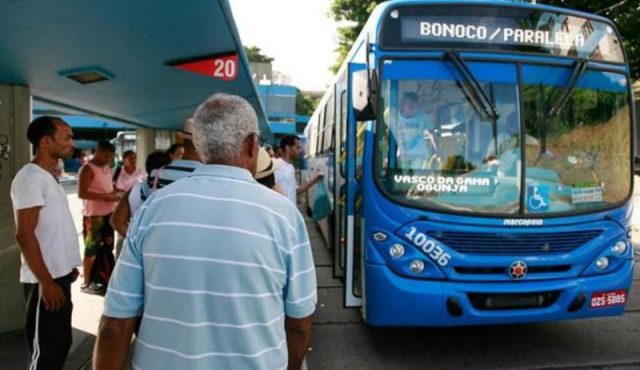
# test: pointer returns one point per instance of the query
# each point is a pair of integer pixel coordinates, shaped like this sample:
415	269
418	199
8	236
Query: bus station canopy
133	49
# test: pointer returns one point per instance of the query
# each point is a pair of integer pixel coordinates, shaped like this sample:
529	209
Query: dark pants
48	333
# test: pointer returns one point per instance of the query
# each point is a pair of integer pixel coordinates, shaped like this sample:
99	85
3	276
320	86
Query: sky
298	34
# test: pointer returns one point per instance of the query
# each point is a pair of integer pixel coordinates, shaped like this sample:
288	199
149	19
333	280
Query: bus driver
415	140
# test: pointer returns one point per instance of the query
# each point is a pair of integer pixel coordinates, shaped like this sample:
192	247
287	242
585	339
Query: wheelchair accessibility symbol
538	198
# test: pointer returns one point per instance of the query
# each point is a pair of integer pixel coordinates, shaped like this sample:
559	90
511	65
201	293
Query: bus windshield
436	149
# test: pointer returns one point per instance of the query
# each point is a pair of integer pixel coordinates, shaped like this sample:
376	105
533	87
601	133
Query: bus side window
329	124
342	161
320	130
312	138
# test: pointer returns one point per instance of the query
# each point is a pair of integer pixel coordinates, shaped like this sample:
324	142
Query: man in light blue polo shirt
221	264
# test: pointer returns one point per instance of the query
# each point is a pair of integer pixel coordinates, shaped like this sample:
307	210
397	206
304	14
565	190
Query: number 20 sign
223	67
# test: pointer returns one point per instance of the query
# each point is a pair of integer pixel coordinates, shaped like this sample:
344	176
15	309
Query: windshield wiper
560	99
472	89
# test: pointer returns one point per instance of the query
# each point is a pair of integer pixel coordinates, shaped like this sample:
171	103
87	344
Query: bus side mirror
364	95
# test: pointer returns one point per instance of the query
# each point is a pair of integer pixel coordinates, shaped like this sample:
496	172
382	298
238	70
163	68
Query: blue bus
479	160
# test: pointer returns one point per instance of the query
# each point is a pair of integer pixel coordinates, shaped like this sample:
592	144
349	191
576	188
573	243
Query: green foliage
255	55
305	104
626	15
356	11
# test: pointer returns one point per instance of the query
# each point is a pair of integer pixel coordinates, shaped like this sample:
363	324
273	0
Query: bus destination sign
510	29
477	29
441	31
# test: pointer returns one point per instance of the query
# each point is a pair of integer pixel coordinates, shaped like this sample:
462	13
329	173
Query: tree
626	15
305	104
356	11
255	55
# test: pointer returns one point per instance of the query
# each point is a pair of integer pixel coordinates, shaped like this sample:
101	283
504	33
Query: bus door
353	283
340	181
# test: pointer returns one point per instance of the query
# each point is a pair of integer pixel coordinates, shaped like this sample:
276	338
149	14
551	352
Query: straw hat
266	164
187	130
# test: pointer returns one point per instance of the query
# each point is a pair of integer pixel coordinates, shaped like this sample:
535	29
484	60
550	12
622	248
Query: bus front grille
514	301
514	243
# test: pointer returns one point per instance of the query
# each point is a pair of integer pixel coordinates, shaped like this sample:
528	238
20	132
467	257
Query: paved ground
342	341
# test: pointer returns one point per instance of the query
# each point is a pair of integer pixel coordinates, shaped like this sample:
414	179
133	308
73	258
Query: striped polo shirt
176	170
217	261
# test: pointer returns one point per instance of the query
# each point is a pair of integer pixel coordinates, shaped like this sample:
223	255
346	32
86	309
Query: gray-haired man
222	264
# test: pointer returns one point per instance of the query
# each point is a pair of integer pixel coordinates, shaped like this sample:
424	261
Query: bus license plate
608	299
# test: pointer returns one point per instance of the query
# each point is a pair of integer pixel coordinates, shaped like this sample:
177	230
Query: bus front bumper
393	300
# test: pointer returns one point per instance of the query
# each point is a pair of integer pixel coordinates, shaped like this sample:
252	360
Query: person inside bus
415	137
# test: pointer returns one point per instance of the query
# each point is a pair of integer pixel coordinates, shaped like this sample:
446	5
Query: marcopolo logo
523	222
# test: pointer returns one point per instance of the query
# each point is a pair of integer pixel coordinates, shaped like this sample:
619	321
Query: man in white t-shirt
286	173
48	241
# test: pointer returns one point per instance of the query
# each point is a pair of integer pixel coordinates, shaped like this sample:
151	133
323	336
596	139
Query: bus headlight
416	266
396	250
620	248
602	263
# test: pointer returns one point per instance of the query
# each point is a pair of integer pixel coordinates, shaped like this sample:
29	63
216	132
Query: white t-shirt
35	187
285	176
